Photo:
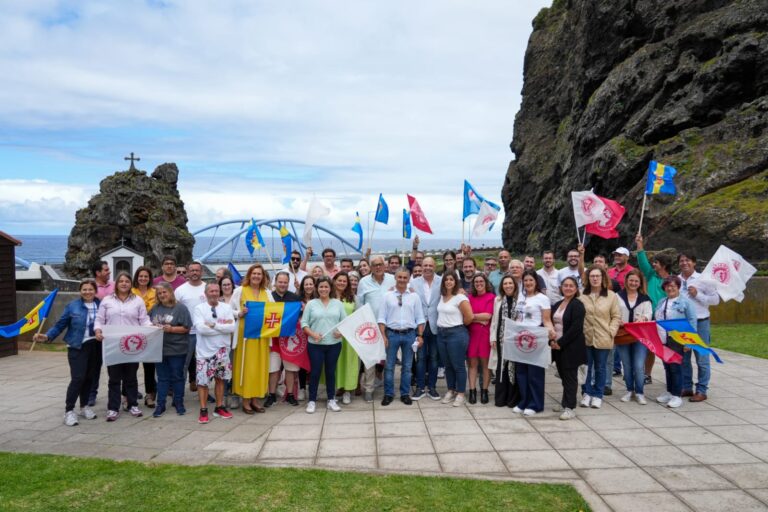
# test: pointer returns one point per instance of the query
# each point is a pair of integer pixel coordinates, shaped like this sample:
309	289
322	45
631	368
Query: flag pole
242	361
42	323
462	231
642	214
370	238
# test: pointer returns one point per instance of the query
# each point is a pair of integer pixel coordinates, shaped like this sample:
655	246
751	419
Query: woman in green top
348	367
655	272
320	317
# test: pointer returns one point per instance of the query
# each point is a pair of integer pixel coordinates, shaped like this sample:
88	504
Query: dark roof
9	238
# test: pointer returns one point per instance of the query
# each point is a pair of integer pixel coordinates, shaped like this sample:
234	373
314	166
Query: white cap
622	250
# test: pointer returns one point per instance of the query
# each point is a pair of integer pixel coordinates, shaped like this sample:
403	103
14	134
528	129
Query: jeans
427	361
674	375
452	343
190	363
170	375
617	363
319	356
596	368
612	356
530	380
633	359
124	374
702	361
570	380
399	341
83	364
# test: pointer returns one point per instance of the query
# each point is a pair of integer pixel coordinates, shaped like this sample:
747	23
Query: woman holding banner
635	306
348	367
142	287
250	376
504	305
568	348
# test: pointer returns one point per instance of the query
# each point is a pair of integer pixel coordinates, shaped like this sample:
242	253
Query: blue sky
260	104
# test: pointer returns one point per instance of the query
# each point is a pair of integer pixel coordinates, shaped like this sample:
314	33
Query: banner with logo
529	345
294	348
131	344
729	272
362	332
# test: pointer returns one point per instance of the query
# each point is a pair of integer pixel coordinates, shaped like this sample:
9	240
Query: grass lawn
750	339
51	482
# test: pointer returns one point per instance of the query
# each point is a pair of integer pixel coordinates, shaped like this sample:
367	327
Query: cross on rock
132	159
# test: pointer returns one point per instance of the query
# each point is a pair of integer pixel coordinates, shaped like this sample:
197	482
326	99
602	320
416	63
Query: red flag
612	214
294	348
646	333
418	219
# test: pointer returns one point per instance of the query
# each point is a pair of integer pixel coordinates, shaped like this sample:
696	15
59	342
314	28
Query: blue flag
285	237
32	319
473	200
253	239
236	277
358	228
660	179
382	211
271	319
406	224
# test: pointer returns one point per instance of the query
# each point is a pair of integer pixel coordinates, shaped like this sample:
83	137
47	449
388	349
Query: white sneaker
70	418
529	412
302	395
585	400
596	403
333	406
641	399
568	414
459	401
516	410
675	402
136	412
441	373
627	397
664	397
311	407
448	398
87	413
346	398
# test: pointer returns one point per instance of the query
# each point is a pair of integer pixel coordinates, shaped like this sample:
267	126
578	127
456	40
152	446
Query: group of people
434	322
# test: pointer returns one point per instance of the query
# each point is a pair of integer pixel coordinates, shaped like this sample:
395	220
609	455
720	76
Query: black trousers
84	363
150	383
569	377
123	374
507	392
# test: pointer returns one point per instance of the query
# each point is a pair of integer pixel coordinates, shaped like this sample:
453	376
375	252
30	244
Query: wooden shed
8	346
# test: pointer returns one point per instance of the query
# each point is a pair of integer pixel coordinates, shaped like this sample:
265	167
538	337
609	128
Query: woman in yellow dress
250	378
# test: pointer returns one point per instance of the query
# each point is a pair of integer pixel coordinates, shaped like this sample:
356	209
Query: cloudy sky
261	104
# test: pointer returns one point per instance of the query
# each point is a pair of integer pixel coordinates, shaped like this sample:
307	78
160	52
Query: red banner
606	227
647	334
418	219
294	348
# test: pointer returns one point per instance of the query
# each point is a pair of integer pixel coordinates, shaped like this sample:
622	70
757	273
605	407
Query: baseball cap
622	250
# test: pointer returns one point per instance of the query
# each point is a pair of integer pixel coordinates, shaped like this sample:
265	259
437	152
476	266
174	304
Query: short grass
750	339
50	482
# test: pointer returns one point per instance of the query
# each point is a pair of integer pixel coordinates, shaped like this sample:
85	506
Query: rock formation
146	211
609	86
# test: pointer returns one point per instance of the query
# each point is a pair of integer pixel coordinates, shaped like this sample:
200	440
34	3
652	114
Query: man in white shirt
572	270
548	273
428	289
701	296
401	321
191	294
294	269
214	322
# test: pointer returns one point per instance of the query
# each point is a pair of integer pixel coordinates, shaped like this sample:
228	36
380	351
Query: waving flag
236	277
358	228
660	179
606	227
32	319
382	211
315	212
647	334
473	201
730	272
285	237
406	224
485	218
682	332
131	344
417	216
529	345
361	331
253	239
271	319
588	208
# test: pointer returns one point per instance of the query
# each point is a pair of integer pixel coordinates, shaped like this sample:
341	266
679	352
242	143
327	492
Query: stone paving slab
622	457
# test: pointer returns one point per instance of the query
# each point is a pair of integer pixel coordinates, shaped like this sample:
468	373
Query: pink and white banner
529	345
132	344
361	331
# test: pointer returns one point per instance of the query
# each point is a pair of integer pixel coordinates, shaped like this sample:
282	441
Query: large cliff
609	86
145	211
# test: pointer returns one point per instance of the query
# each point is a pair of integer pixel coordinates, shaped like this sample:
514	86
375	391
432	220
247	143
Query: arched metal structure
291	224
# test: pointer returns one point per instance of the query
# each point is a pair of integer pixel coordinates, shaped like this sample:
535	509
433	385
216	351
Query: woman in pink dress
479	349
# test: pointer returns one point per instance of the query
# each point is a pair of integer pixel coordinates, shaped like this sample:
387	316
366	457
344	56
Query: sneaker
291	399
70	418
302	395
203	418
568	414
516	410
448	398
648	379
641	399
529	412
136	412
270	401
585	400
664	398
159	411
596	403
607	391
441	373
180	410
112	415
368	397
434	395
459	401
87	413
557	408
346	398
675	402
333	406
627	396
418	395
311	407
222	412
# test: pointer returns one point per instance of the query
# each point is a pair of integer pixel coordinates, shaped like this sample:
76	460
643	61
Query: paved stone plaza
711	456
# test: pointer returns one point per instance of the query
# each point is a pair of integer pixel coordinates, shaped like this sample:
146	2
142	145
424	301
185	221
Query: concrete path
711	456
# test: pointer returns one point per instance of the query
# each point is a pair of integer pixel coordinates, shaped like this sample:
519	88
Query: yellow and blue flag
660	179
358	228
32	319
271	319
406	224
285	236
682	332
253	239
382	211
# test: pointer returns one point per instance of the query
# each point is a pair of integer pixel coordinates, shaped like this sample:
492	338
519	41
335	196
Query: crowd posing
446	322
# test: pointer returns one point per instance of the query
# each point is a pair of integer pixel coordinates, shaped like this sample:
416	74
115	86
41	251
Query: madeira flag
271	319
680	330
32	319
660	179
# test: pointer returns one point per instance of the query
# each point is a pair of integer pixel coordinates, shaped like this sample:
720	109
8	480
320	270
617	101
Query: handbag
623	337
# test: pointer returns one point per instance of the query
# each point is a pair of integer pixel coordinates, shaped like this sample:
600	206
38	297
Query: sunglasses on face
295	259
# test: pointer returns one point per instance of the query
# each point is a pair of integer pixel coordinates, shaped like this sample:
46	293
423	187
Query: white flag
485	219
361	331
524	344
587	208
131	344
316	211
730	273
